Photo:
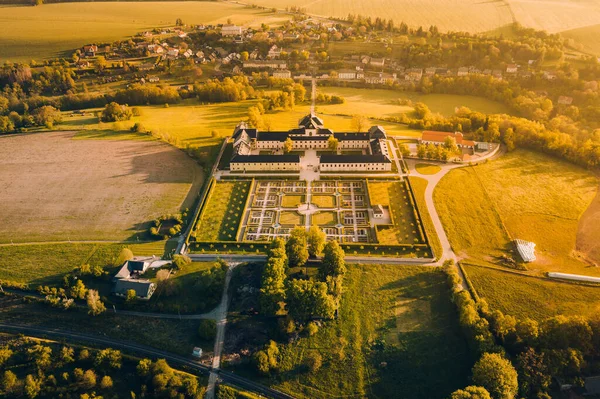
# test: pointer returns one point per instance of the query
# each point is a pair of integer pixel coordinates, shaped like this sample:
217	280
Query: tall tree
297	247
332	143
307	299
359	123
496	375
316	240
471	392
272	290
333	263
95	305
288	145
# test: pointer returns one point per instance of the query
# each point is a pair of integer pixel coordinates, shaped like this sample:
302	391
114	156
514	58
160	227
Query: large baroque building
369	150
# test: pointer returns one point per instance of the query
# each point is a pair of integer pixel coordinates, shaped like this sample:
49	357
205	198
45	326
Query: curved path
432	181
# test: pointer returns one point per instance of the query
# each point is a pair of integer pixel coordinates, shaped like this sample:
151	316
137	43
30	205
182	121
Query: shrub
114	112
207	329
313	361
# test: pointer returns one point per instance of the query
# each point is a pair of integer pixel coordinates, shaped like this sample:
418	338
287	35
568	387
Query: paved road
432	181
221	317
242	382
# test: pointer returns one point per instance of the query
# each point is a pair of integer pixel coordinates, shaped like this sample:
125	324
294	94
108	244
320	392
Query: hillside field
56	30
55	188
536	197
194	123
372	102
537	298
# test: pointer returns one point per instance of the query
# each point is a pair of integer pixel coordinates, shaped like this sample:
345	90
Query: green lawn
292	201
534	297
324	219
56	30
419	185
186	297
382	102
394	195
398	315
42	264
291	218
195	122
46	264
323	201
537	198
178	336
427	169
222	212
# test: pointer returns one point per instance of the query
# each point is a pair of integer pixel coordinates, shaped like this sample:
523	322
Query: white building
231	30
282	74
310	135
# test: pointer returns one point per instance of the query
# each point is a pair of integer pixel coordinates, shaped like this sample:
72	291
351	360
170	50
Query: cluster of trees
520	356
114	112
237	88
442	152
57	371
324	98
159	380
302	299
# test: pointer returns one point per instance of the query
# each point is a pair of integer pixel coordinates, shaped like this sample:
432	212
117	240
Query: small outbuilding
526	250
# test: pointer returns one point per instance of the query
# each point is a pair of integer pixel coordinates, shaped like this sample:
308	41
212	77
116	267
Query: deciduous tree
496	375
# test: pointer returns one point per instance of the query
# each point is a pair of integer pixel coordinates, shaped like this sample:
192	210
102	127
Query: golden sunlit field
56	30
536	197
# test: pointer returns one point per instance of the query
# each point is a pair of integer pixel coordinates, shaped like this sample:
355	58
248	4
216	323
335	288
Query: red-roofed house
431	136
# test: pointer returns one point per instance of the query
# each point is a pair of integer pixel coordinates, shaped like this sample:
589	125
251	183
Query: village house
565	100
267	64
282	74
377	62
414	75
511	68
231	30
347	74
549	75
463	71
153	79
90	50
274	52
128	277
430	71
437	138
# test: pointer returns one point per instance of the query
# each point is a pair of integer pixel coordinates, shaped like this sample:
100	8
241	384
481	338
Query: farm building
143	288
526	250
282	74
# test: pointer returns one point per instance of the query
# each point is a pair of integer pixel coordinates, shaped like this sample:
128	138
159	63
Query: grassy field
291	218
292	201
46	264
221	215
323	201
55	188
374	102
537	198
187	298
427	168
419	185
401	316
393	194
533	297
588	36
469	15
556	15
178	336
196	122
324	219
56	30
